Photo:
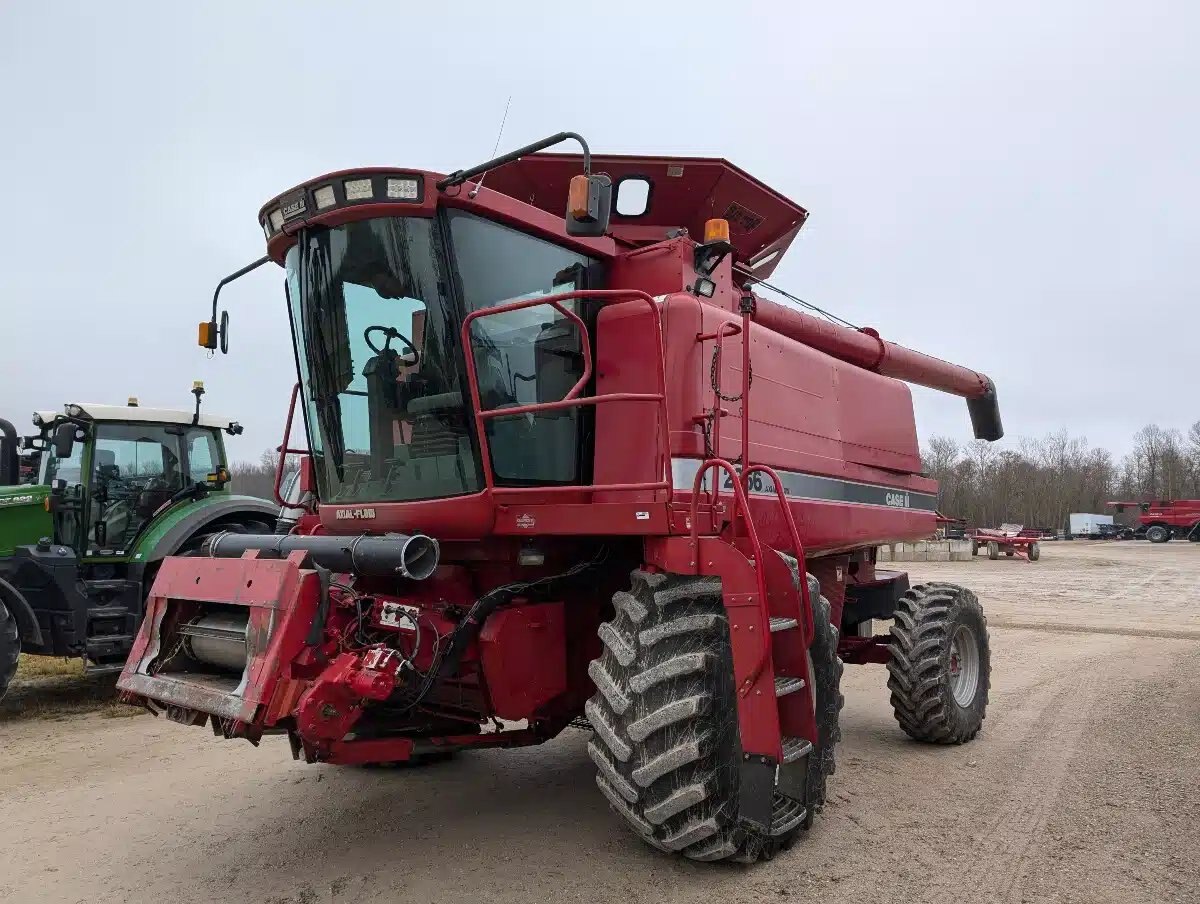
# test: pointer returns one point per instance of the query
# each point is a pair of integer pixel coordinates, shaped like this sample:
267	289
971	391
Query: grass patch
46	687
47	666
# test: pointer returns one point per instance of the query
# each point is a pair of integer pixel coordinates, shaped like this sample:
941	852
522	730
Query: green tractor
118	489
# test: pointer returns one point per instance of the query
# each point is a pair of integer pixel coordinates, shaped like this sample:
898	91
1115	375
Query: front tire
1035	552
993	550
1156	533
666	742
10	648
940	667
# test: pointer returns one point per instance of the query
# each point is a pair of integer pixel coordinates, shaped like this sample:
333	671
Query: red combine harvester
568	469
1163	521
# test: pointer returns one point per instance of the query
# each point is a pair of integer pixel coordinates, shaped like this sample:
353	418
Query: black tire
1035	552
927	619
993	549
10	648
665	733
974	547
1157	533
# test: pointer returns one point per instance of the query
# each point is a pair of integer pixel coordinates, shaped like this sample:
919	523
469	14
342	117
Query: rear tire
10	648
940	668
1156	533
993	549
666	742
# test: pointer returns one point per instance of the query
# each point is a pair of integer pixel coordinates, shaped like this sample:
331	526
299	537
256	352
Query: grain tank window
633	196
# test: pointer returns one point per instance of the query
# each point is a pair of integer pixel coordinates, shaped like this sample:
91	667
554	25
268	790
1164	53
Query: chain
707	425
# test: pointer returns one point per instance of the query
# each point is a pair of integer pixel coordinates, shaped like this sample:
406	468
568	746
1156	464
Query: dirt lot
1084	785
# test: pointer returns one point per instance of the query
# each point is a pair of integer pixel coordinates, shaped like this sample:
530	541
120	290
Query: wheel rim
964	666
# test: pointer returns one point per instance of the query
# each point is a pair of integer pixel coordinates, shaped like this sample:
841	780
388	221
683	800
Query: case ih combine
569	469
1164	520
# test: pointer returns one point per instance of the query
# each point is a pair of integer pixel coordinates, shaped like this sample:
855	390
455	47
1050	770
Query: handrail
740	500
572	398
805	597
285	449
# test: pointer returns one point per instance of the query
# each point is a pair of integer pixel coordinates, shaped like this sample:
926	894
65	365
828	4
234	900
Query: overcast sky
1017	190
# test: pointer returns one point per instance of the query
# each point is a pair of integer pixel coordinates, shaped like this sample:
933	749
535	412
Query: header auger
655	496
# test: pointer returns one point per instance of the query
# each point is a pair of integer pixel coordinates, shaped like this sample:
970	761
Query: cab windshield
376	308
133	472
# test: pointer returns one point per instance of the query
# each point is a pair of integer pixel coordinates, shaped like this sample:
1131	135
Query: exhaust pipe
414	557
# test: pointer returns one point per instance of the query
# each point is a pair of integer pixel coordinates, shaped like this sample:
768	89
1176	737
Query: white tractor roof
97	412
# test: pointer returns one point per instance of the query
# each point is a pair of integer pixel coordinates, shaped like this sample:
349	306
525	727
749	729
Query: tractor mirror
589	205
224	332
64	440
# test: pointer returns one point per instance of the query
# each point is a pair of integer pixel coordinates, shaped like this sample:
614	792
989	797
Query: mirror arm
238	274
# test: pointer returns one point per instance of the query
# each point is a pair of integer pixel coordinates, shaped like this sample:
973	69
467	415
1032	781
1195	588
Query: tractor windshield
377	306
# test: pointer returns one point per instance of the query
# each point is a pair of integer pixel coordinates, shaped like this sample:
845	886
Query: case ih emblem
899	500
355	514
526	521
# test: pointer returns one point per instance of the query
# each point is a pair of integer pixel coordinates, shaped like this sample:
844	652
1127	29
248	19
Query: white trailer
1084	526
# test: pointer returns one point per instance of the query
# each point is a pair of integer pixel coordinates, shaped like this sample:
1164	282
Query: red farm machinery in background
1008	539
1164	520
576	469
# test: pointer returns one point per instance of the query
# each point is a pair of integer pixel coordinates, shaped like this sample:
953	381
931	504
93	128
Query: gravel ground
1084	785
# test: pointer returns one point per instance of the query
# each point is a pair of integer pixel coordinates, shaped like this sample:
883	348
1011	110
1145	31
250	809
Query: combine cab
576	468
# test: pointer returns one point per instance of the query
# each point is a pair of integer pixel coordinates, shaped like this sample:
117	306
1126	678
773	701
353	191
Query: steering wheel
391	333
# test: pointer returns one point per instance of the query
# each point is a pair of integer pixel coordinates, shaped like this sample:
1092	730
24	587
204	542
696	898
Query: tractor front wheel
1035	552
10	648
940	667
993	549
666	742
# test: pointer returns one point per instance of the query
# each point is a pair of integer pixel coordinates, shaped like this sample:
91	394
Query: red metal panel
685	192
523	653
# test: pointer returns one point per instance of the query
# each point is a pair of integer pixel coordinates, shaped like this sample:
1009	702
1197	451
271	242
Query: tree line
1038	483
1041	481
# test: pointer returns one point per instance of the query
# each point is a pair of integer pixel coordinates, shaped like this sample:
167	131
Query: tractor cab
112	469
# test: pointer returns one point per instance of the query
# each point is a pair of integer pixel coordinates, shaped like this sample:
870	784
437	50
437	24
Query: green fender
170	530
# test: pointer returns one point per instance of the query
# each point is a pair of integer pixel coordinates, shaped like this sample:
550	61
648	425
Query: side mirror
64	440
589	205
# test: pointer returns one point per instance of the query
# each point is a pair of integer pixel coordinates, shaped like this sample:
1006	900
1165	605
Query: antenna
478	185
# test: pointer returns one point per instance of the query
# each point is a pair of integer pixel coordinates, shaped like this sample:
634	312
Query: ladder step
786	814
785	686
783	624
794	748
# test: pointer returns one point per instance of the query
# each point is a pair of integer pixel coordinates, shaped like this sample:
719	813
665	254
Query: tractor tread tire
665	731
926	618
10	648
